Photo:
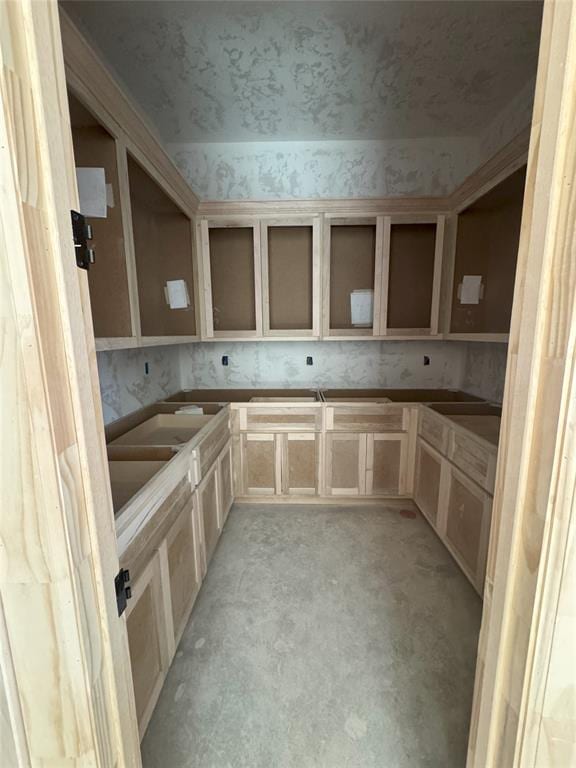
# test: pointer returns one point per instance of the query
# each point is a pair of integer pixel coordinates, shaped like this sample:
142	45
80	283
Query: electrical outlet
224	359
309	360
426	360
146	368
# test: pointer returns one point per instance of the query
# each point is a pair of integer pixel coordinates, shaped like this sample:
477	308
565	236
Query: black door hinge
82	233
123	589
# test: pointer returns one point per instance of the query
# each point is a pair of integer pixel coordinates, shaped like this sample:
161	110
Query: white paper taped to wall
362	307
92	192
470	289
177	294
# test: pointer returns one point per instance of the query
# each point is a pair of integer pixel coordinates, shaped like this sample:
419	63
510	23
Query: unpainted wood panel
352	262
163	251
487	244
232	276
290	277
145	652
209	501
184	582
302	464
94	147
427	490
345	460
386	460
260	458
411	275
226	482
464	522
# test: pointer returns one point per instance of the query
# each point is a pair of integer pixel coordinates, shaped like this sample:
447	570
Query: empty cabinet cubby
411	276
352	259
94	147
231	265
488	233
163	252
288	278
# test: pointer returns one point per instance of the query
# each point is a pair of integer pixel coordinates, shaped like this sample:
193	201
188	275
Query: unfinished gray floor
323	637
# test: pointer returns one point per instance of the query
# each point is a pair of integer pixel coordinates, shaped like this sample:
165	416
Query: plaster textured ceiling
308	71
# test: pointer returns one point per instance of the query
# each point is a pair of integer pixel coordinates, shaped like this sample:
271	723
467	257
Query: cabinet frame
293	221
204	227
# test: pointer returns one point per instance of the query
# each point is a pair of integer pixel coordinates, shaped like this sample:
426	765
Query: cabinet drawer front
374	418
207	451
427	483
474	459
434	430
279	419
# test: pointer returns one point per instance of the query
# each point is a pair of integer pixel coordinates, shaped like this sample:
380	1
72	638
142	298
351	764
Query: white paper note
92	192
177	294
362	307
470	289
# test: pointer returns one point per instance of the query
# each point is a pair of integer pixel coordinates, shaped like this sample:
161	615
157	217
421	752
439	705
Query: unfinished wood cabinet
232	276
108	281
467	525
163	252
291	276
345	464
260	464
183	553
208	495
487	238
226	484
280	464
427	481
386	464
148	639
352	273
300	463
412	273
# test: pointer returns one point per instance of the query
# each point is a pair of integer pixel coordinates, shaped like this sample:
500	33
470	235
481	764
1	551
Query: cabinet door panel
259	464
385	464
209	515
183	567
226	484
427	486
300	465
346	464
467	525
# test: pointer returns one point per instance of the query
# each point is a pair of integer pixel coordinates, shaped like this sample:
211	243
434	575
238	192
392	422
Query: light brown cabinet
366	464
427	481
280	464
208	505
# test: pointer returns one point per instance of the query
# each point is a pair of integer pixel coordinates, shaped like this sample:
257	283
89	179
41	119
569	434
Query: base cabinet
427	481
359	464
280	464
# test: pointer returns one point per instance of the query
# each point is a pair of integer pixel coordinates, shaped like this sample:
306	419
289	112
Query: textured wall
485	370
336	364
325	169
124	385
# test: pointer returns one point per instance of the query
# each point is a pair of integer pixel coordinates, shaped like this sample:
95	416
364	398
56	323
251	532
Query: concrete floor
323	637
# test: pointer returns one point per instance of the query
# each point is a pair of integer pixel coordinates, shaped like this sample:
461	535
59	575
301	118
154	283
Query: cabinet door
184	565
386	464
428	481
261	464
208	504
291	277
146	624
300	460
226	484
345	464
467	525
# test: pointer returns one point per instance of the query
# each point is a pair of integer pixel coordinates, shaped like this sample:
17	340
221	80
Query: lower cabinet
359	464
427	481
280	464
226	484
467	525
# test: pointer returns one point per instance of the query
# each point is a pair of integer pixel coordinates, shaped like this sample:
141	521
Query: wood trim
358	207
519	669
206	290
57	596
128	232
437	280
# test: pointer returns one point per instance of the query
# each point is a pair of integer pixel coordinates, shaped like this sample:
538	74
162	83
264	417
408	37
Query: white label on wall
92	192
362	307
470	289
177	294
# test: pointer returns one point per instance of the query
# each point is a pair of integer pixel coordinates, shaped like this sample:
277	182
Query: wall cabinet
280	464
365	464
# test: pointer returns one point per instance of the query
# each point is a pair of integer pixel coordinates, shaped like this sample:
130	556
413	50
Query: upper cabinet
96	151
382	277
485	254
163	255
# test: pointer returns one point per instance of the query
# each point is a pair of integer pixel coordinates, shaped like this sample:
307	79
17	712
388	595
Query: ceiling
305	71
